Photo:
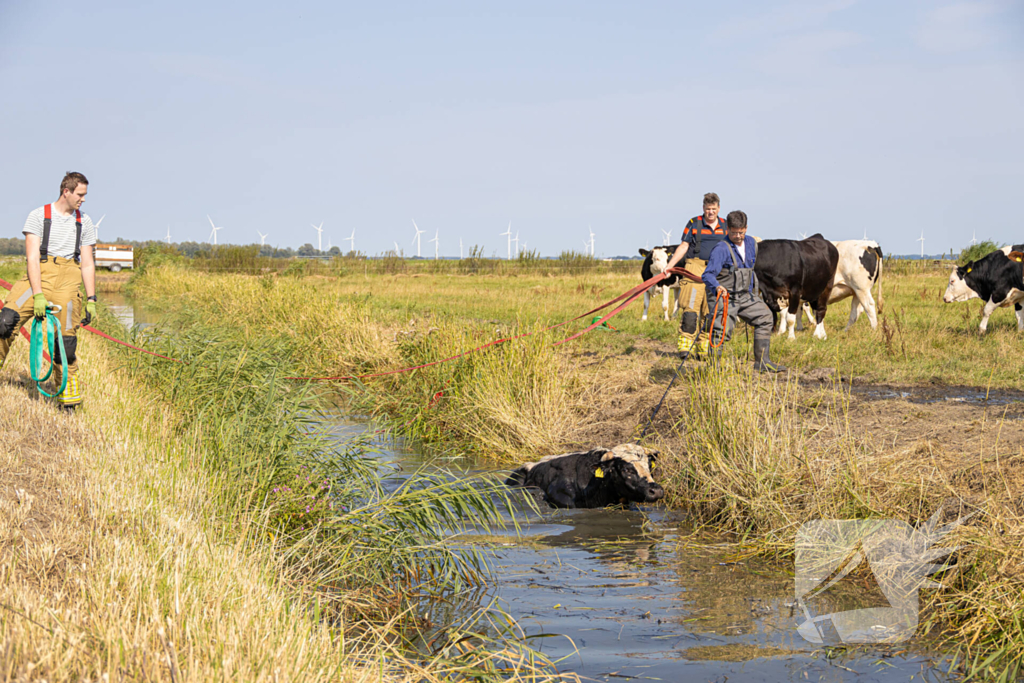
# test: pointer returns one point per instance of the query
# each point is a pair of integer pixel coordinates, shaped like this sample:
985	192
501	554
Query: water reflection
633	598
128	311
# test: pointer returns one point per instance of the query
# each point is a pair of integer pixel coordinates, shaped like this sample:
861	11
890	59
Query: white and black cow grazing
594	478
797	270
655	262
859	269
997	279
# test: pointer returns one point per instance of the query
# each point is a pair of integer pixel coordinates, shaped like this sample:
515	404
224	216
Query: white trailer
114	256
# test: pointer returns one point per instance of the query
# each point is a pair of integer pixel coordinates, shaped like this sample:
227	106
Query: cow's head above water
630	467
958	289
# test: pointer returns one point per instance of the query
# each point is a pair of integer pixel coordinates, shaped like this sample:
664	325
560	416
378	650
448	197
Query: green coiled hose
43	332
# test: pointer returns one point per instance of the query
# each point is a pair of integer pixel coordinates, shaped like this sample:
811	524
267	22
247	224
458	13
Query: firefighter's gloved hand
90	311
39	305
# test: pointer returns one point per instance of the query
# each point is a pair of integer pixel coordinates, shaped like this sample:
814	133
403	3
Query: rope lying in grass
7	285
626	298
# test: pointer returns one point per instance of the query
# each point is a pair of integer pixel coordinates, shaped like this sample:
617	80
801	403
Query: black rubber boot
761	353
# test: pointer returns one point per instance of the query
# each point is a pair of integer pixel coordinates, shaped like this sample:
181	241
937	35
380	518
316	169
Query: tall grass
210	529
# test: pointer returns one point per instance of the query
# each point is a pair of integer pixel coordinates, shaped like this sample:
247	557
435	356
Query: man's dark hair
72	179
711	198
736	219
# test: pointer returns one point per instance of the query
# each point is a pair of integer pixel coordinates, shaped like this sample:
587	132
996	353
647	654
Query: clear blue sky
832	116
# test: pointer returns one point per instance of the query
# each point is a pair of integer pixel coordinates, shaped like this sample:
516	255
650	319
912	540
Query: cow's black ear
645	252
653	455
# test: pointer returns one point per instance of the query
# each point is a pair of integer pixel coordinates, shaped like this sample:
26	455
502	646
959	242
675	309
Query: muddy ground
922	418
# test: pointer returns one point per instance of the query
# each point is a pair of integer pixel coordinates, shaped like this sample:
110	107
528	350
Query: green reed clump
264	435
977	251
574	262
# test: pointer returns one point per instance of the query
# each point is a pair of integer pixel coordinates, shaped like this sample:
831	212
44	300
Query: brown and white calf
997	279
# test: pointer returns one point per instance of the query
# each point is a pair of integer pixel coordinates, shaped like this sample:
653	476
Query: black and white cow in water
594	478
859	269
655	262
997	279
797	270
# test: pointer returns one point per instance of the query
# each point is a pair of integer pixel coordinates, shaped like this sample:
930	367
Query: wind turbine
460	248
921	240
397	251
319	235
436	243
351	241
263	238
803	235
668	235
974	237
509	233
96	225
168	234
416	237
516	240
213	233
865	233
591	240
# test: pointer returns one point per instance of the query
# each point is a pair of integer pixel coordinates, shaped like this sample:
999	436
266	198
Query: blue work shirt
709	237
721	260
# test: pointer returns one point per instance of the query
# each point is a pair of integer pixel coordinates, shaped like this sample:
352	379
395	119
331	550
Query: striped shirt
62	231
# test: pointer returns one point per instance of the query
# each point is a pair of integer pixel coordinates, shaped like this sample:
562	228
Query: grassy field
744	453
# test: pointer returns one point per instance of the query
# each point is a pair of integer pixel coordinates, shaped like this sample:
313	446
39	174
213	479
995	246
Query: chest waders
737	281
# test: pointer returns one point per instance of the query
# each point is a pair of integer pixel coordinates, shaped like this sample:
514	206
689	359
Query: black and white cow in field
797	270
997	279
594	478
655	262
859	269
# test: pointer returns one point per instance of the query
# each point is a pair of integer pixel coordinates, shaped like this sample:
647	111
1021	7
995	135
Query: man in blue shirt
700	236
731	271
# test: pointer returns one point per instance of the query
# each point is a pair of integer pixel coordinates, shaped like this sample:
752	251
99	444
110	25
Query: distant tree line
15	246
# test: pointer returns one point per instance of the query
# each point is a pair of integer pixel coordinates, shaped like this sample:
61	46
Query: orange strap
725	315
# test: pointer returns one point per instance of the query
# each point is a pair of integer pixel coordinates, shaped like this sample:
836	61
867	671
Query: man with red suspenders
59	240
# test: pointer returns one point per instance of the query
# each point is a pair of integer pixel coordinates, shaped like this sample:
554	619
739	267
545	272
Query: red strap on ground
130	346
629	297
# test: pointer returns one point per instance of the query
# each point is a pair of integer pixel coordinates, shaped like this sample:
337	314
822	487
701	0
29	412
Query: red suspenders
44	245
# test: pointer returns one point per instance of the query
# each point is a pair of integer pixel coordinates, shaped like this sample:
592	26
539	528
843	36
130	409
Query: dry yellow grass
113	565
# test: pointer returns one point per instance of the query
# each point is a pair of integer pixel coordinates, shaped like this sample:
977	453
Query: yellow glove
39	305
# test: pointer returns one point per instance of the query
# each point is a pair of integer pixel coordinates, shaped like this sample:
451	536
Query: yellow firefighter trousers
693	299
60	279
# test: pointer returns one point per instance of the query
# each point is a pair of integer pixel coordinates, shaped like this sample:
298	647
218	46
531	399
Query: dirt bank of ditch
920	419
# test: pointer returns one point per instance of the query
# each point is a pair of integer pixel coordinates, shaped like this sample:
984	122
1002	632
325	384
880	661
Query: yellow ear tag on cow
599	473
652	465
970	269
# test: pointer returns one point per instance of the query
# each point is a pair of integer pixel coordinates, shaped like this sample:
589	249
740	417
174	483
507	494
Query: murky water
953	394
631	599
127	310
